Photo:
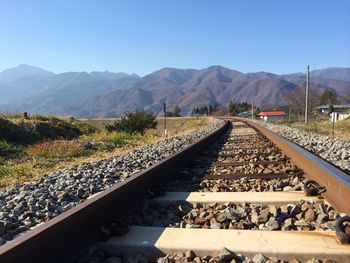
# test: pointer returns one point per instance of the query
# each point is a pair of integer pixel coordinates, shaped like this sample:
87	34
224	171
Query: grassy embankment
33	147
341	128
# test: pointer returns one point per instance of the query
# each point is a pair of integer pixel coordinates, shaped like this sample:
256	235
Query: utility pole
253	109
165	129
290	110
307	95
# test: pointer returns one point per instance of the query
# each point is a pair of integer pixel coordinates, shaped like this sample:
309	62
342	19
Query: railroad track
244	192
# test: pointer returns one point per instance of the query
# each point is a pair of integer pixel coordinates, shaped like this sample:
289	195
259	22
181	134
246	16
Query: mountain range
108	94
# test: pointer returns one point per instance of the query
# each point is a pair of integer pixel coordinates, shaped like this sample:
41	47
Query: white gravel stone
334	150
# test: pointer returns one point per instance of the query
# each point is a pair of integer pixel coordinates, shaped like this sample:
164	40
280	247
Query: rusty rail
68	235
336	181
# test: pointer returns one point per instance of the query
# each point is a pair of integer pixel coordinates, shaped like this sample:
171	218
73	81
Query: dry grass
341	128
16	174
46	157
56	149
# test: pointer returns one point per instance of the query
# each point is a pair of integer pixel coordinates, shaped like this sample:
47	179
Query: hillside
107	94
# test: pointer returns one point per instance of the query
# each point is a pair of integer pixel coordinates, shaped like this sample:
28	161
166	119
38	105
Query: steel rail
67	236
335	180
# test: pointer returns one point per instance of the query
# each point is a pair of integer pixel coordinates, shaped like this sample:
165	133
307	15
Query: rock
165	260
294	260
215	226
330	225
299	216
333	215
255	218
204	214
241	212
259	258
226	255
274	260
200	220
264	215
314	260
183	209
38	192
273	210
190	255
272	224
221	218
309	215
296	209
288	222
301	222
3	215
321	218
321	206
296	181
284	209
305	207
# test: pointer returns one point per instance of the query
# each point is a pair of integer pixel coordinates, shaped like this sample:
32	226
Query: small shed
272	115
340	112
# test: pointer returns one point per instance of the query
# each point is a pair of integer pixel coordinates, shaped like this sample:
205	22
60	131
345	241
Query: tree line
204	110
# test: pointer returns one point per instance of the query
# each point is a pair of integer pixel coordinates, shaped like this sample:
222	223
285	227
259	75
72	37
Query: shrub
7	148
134	122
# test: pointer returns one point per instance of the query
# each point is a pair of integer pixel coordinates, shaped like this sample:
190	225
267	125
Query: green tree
237	107
177	111
134	122
328	97
231	108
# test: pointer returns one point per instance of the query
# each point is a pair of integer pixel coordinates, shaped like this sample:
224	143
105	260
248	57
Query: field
59	147
341	128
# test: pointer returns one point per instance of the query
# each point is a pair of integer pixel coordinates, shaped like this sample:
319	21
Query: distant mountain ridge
24	83
22	71
108	94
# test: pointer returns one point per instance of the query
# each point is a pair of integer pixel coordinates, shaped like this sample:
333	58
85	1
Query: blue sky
143	36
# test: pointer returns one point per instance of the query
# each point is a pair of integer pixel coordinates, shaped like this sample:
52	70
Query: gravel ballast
304	215
223	255
25	206
334	150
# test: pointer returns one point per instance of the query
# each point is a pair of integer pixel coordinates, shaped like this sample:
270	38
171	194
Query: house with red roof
272	115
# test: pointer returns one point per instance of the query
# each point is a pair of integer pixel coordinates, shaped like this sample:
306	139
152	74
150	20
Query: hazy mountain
334	79
342	74
190	88
108	94
23	71
41	91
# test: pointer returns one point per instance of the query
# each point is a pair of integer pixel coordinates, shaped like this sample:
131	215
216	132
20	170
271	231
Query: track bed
241	194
